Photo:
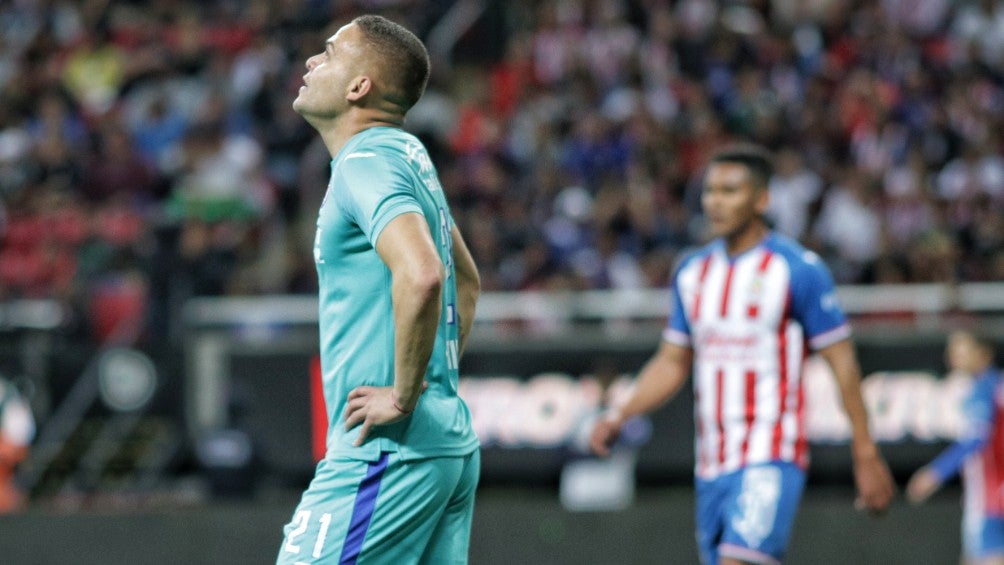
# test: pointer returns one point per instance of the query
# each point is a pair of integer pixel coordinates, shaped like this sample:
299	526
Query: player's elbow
425	280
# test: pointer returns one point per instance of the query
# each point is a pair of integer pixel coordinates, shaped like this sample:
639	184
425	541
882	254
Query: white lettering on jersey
720	347
416	154
447	238
431	183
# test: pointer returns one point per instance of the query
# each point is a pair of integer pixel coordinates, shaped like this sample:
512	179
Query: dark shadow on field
512	526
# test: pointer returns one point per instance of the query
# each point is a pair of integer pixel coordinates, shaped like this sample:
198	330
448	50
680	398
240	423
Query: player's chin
719	229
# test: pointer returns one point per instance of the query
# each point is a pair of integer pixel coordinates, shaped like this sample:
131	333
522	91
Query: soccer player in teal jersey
398	289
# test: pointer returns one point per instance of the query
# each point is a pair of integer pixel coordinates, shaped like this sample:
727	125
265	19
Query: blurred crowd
148	151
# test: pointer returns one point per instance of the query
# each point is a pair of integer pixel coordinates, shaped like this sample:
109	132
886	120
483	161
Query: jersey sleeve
814	303
677	329
378	188
980	410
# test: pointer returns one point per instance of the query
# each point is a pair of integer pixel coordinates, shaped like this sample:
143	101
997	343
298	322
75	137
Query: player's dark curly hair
755	158
406	57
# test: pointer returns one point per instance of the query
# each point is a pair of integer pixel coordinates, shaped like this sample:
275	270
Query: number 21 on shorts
299	527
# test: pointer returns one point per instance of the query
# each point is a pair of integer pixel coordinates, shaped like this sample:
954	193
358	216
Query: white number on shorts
299	527
758	501
325	522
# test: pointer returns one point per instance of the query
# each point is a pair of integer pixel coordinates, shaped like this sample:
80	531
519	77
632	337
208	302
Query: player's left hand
874	482
922	485
605	432
371	406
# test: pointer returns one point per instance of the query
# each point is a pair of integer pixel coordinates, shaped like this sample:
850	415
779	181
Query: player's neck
338	131
746	238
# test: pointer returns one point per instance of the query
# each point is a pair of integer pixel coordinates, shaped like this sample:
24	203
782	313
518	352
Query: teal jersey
379	174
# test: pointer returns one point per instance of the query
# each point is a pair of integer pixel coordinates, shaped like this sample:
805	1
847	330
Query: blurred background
157	291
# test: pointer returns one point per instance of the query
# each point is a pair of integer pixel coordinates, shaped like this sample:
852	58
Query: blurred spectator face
730	201
325	90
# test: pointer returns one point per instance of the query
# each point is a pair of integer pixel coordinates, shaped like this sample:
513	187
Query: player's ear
358	88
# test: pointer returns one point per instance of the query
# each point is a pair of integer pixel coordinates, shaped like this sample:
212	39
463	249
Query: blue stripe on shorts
362	511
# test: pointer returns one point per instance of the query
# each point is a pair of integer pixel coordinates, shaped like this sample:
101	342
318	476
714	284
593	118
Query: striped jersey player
749	319
978	453
746	309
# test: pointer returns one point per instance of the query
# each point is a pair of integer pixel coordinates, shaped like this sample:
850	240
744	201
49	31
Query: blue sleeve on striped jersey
950	461
814	296
980	410
677	313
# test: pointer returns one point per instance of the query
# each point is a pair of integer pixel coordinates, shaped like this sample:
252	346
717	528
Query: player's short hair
983	339
404	54
755	158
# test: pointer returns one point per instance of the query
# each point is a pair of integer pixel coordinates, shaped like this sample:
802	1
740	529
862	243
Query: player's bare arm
871	474
468	286
406	246
922	485
659	381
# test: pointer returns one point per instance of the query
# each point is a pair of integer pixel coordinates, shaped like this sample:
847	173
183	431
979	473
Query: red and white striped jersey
979	451
750	320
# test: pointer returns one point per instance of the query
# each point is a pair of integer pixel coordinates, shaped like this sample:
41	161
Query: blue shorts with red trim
748	514
385	511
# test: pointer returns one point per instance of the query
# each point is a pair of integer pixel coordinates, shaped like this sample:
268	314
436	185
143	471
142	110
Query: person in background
398	289
745	308
17	430
979	453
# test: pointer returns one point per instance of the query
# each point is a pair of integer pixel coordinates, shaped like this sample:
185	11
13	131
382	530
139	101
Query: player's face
328	75
963	353
730	201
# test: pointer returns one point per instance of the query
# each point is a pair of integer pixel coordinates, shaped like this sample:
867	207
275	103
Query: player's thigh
760	513
323	519
710	502
413	498
451	539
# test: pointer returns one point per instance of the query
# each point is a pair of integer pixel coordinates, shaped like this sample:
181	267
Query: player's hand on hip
875	485
605	432
371	406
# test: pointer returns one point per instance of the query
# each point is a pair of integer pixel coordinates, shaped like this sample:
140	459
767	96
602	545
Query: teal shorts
385	511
